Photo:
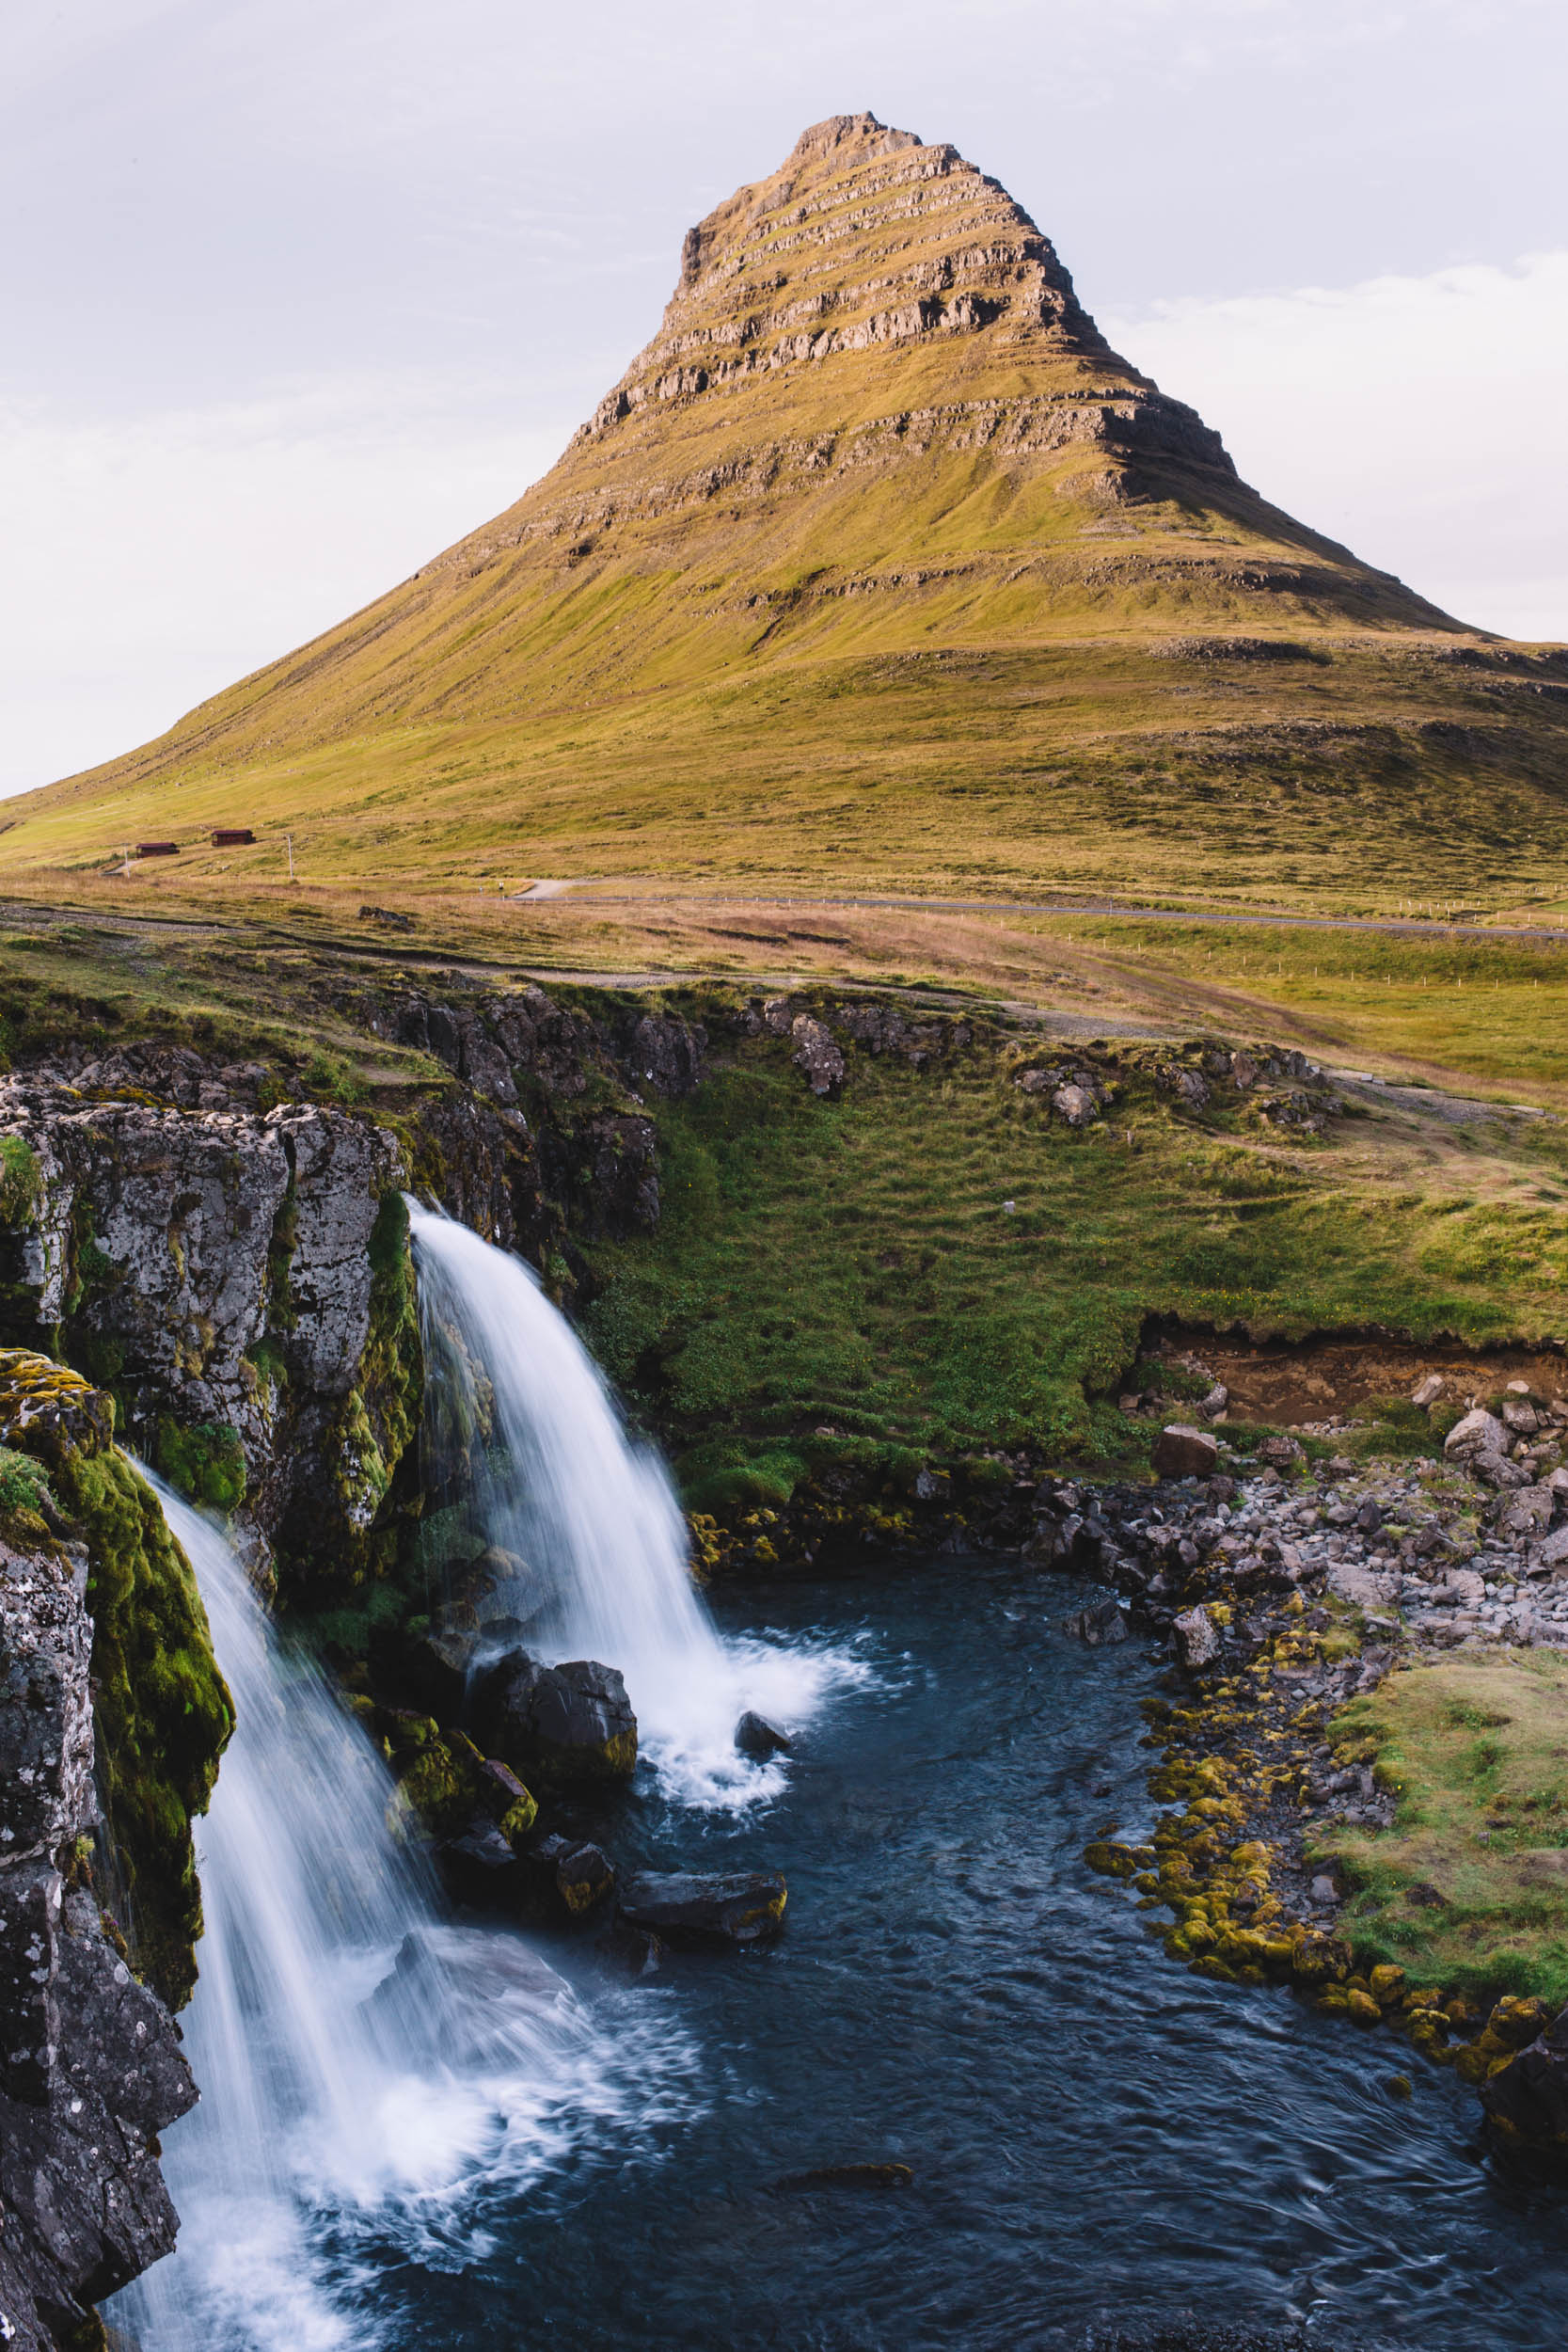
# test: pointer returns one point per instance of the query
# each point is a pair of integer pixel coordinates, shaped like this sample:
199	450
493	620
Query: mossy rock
50	1411
163	1711
440	1787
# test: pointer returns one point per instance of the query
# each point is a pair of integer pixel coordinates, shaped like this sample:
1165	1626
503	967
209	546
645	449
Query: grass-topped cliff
879	564
853	1262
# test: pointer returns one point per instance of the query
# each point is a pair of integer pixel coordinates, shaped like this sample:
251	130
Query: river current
1098	2140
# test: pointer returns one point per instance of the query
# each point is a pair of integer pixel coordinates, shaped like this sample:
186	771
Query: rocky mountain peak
865	237
873	420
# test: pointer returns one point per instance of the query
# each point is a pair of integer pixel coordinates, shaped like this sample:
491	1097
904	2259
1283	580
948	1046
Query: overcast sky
297	292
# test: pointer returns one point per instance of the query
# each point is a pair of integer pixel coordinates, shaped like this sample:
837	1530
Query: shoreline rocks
1527	2096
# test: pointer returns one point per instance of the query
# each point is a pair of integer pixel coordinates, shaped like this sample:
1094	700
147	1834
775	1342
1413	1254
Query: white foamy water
370	2077
559	1481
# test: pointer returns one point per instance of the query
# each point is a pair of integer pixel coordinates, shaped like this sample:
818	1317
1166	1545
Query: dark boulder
583	1878
756	1736
1529	2098
435	1671
570	1726
1183	1451
667	1053
746	1907
503	1796
495	1590
482	1869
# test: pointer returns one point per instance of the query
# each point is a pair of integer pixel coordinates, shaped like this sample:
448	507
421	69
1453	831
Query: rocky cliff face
866	238
90	2069
876	308
239	1277
212	1267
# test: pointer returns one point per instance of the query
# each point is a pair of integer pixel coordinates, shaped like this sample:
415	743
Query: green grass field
1469	1889
935	1261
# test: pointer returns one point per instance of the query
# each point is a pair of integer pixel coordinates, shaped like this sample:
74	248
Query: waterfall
553	1479
374	2082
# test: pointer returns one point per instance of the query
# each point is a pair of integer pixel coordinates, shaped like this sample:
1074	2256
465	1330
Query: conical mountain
877	509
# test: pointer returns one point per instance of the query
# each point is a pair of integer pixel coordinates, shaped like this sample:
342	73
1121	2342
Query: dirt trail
1316	1381
591	893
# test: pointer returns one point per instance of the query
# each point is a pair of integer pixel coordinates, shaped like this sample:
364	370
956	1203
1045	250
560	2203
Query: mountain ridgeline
878	553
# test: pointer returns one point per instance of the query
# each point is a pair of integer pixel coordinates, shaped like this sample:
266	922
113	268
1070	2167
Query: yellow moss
519	1819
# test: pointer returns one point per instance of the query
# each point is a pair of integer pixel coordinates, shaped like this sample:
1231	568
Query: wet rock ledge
90	2067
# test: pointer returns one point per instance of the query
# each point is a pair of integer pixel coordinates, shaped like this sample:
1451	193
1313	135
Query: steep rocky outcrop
90	2069
215	1269
239	1277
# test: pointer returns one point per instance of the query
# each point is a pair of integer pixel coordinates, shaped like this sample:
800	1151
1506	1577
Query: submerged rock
849	2176
1529	2097
1099	1622
571	1726
744	1908
631	1952
756	1736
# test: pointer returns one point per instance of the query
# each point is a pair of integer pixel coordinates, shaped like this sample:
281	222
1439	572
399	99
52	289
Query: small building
231	836
157	849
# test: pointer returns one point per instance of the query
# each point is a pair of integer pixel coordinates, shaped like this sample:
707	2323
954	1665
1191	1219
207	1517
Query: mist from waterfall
376	2085
520	1416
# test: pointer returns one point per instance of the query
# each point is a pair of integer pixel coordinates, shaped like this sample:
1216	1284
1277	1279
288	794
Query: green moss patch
205	1462
164	1713
20	1182
23	1482
1470	1888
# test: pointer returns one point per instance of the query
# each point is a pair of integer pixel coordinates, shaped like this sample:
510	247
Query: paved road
584	894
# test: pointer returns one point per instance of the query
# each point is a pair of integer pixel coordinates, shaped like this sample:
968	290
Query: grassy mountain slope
877	554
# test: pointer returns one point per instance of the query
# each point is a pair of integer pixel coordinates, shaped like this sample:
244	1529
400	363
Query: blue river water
1102	2144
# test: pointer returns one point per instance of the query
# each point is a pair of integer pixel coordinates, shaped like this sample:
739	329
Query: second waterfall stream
554	1480
379	2085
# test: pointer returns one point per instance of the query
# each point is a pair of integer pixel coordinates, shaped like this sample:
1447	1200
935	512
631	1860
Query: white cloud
1415	419
151	562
